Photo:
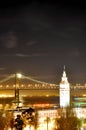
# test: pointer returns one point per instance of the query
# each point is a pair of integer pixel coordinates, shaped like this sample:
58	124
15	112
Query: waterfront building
64	91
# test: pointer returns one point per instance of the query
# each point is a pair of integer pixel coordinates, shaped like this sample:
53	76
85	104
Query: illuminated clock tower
64	91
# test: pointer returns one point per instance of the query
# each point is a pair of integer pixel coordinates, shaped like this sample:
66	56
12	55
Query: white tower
64	91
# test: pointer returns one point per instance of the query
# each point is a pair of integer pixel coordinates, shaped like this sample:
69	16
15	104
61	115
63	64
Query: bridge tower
64	91
17	99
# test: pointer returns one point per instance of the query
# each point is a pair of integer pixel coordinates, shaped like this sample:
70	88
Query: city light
28	127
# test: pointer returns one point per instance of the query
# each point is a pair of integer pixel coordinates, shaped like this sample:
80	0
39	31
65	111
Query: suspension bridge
27	82
28	86
9	82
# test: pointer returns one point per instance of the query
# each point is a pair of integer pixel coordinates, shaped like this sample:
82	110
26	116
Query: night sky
39	38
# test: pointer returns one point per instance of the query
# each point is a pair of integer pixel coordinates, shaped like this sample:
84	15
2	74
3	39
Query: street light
47	121
17	76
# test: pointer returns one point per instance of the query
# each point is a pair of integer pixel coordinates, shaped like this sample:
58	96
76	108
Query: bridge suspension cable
7	78
26	77
37	81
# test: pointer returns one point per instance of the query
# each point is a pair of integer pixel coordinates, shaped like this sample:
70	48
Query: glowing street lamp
47	121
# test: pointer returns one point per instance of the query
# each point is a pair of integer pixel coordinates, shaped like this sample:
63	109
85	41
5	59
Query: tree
68	120
2	121
30	115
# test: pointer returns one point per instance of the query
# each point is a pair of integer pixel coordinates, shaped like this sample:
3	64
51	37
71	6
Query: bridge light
18	75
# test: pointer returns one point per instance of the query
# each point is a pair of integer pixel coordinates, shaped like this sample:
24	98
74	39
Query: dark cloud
9	40
1	69
31	43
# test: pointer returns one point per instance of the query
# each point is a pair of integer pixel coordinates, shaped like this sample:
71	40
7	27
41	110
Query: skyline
38	39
